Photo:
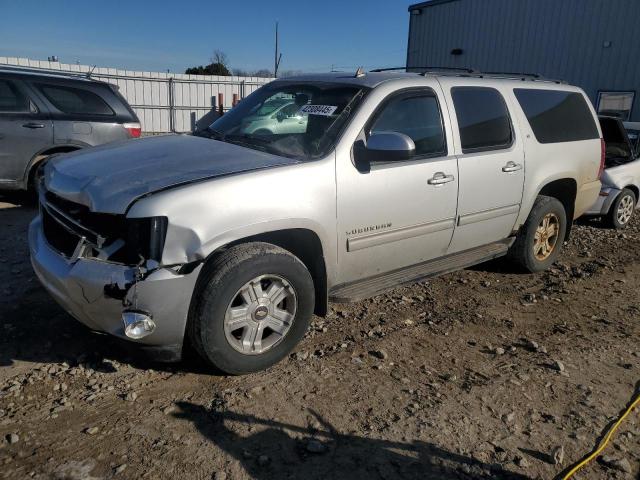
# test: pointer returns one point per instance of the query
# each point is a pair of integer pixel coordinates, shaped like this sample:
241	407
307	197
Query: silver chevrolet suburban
231	240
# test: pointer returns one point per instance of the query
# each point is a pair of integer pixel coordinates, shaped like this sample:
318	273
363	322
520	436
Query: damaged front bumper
97	292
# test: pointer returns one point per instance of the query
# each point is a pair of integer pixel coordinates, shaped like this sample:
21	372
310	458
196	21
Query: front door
24	131
491	166
398	213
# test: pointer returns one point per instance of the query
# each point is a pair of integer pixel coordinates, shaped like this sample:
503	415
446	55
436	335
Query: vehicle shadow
277	450
33	327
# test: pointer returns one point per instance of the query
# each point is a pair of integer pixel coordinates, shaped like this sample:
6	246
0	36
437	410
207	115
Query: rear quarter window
75	101
557	116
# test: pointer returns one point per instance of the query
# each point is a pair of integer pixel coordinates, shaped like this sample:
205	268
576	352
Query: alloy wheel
625	210
260	314
546	236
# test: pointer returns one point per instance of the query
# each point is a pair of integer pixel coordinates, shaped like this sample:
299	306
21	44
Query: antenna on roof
90	72
359	73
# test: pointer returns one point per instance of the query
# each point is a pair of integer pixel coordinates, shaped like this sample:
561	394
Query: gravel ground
484	373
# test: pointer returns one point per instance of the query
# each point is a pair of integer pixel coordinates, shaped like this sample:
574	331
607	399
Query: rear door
25	130
490	163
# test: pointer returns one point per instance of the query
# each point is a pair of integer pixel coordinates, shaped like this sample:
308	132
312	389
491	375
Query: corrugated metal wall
149	92
556	38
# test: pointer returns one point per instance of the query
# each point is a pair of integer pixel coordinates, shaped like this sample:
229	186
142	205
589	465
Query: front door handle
512	167
439	178
33	125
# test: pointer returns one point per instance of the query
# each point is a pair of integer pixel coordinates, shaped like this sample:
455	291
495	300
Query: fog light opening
137	324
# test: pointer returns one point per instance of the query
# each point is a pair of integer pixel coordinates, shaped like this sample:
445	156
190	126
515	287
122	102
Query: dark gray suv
46	113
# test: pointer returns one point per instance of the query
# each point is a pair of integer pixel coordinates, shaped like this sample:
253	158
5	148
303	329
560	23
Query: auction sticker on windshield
325	110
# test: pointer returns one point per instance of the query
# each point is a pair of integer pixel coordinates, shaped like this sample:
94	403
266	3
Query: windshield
299	120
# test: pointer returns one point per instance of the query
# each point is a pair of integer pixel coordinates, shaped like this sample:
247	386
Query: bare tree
263	72
220	58
218	66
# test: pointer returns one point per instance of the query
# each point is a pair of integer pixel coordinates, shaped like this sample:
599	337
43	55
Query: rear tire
621	211
253	303
540	239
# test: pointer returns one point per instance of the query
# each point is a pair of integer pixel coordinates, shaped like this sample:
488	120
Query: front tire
253	304
622	209
540	239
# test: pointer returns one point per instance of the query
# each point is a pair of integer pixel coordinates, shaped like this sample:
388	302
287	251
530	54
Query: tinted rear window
75	100
556	116
483	118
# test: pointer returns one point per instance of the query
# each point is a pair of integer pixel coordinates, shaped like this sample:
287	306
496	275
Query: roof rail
433	69
470	72
46	71
521	76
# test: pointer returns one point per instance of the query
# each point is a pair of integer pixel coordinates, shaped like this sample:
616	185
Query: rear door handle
439	178
33	125
512	167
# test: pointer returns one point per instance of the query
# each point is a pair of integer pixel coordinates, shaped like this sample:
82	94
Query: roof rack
470	72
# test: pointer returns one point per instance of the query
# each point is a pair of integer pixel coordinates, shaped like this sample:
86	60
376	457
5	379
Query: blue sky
164	34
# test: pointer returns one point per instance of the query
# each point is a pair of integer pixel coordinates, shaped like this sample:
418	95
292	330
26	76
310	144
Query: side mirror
385	147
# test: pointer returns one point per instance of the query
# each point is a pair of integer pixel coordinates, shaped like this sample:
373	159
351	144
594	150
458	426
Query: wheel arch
304	244
636	191
43	154
565	190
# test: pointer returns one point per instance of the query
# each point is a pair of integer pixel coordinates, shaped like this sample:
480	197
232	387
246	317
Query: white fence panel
164	102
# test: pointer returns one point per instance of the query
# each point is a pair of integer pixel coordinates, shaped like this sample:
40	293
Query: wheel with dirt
621	211
253	304
540	239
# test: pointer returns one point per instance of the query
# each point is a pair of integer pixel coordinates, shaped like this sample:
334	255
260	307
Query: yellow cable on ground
605	441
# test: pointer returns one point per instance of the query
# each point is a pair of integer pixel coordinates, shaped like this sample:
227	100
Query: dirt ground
484	373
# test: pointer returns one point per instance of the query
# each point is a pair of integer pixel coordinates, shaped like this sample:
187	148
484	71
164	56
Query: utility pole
278	56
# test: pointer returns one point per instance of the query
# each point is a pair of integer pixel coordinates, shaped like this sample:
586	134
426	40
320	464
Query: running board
372	286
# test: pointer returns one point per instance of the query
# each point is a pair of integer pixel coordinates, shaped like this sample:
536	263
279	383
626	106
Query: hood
109	178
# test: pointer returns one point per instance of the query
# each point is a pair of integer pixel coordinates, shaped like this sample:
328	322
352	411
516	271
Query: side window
483	119
290	110
75	100
12	100
417	116
557	116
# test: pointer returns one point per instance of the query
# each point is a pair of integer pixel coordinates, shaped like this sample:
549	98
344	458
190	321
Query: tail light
603	154
134	129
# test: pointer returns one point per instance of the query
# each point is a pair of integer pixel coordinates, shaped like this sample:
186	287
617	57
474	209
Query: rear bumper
605	199
586	196
79	287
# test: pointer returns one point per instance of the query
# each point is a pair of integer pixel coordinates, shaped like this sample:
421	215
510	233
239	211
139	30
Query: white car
277	117
621	178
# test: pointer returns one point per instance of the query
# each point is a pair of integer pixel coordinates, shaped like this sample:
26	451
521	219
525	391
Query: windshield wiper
251	141
215	134
248	138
